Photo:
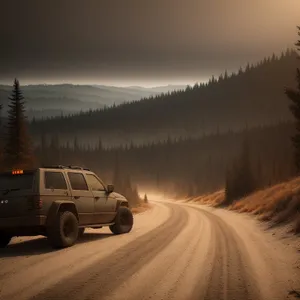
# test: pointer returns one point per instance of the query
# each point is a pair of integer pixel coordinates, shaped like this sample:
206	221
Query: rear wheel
123	221
64	232
4	239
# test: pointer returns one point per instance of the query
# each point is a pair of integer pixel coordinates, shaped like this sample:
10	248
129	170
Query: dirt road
175	251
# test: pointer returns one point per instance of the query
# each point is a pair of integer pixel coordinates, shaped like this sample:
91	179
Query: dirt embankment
278	204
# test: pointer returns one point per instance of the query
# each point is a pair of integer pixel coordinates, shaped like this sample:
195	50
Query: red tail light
34	202
39	204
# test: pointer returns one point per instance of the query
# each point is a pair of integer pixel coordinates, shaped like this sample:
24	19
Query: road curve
176	251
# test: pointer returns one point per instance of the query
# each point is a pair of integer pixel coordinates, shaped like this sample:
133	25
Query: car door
82	197
53	187
104	205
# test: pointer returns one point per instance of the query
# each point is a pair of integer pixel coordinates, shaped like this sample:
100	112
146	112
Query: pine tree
1	137
43	147
1	106
294	96
17	150
76	145
239	181
100	145
117	179
228	186
145	199
259	174
246	174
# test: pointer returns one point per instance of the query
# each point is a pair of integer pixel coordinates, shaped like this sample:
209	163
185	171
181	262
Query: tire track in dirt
228	278
101	279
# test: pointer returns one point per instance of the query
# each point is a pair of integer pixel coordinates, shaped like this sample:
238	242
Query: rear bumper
27	221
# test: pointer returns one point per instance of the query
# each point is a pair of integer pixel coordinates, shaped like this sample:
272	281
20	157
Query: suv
59	202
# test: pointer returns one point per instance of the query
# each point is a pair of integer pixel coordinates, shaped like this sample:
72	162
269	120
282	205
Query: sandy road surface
176	251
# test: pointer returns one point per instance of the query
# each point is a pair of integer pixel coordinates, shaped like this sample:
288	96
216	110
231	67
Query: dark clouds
128	41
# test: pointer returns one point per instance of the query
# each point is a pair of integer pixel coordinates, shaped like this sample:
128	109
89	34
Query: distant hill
54	100
251	97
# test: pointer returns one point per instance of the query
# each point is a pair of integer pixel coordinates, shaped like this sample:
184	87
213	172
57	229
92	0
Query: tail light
35	202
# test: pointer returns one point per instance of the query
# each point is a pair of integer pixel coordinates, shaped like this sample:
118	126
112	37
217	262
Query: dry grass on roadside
279	203
141	208
214	199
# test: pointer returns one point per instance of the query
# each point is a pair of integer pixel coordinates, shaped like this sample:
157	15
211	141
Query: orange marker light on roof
17	172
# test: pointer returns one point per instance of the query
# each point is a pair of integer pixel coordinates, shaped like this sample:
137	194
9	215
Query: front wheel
4	239
123	221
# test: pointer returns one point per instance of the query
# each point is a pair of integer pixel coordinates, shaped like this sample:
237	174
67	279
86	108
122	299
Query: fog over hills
51	100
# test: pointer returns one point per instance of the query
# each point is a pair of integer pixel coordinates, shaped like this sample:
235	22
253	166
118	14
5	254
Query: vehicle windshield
9	182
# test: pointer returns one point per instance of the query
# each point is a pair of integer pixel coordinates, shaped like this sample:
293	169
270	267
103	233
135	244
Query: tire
80	232
64	231
123	221
4	239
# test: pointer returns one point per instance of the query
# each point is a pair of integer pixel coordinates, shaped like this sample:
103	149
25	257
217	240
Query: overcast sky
139	42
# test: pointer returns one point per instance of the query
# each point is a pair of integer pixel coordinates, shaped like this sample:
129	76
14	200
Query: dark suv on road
59	202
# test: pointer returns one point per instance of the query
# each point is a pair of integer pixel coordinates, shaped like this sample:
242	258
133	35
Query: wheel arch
60	206
122	203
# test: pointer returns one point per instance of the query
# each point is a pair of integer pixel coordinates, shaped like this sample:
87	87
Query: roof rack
54	167
65	167
78	168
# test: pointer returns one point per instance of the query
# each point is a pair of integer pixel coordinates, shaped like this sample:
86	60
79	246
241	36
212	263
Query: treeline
240	178
251	96
186	166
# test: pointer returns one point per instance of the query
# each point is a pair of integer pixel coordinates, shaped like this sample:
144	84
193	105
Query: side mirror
110	188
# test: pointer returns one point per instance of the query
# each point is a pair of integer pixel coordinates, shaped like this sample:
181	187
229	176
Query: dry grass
141	208
279	203
214	199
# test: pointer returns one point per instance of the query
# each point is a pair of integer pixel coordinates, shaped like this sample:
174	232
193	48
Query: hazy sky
145	42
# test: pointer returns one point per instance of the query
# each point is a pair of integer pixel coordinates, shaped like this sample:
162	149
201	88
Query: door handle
76	197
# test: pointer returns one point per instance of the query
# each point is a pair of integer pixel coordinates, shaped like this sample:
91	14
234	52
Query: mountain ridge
67	97
251	97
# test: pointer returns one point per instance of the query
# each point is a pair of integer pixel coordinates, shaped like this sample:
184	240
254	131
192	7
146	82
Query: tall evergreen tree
17	150
1	137
245	173
239	180
1	106
294	96
229	185
117	179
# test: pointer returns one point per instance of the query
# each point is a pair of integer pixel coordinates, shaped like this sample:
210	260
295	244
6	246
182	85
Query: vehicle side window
94	183
55	180
78	182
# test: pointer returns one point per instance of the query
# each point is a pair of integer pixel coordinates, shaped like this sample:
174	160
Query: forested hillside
251	97
186	166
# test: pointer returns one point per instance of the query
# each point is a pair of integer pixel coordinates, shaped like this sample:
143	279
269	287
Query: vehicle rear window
78	182
16	182
55	180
